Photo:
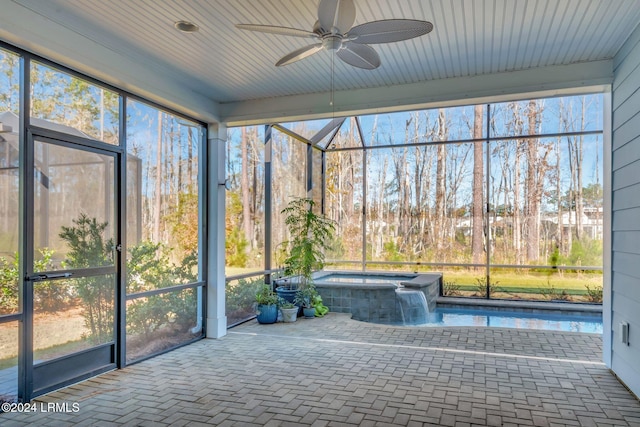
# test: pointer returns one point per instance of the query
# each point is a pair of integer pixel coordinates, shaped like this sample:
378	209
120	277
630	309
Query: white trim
607	290
550	81
216	312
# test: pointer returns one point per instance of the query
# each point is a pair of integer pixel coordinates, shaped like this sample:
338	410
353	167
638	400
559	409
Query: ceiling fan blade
359	55
299	54
338	14
285	31
388	31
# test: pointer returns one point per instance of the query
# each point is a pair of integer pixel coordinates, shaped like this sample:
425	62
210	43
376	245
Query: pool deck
336	371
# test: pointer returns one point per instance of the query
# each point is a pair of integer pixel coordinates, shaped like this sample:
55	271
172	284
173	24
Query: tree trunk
579	185
559	229
478	166
244	186
517	212
535	181
158	195
531	220
440	182
190	159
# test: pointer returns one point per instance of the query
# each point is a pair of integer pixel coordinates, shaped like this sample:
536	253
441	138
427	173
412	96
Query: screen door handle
49	276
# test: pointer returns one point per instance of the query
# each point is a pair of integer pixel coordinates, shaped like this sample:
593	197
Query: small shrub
594	294
240	298
242	294
553	294
146	315
148	267
8	285
481	287
450	289
88	248
184	306
49	296
585	252
391	252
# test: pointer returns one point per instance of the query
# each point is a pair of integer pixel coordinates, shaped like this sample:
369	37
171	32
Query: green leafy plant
585	251
240	299
311	235
88	248
49	295
183	308
146	315
305	296
235	242
148	268
8	285
266	296
283	303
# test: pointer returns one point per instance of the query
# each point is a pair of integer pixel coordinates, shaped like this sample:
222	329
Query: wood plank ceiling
227	65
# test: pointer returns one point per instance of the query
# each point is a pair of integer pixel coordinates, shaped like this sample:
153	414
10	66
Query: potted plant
304	298
266	304
310	236
289	310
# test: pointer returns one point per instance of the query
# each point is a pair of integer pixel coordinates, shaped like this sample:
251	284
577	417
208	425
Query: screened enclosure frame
322	141
24	315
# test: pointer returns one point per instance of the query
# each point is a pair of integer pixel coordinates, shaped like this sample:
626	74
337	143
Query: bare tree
158	196
440	180
477	208
575	146
244	186
537	167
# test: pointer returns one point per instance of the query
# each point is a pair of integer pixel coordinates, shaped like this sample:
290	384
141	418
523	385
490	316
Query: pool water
591	324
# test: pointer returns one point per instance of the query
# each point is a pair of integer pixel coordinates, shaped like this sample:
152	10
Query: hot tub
377	296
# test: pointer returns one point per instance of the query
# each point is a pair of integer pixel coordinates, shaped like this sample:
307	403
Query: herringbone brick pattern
338	372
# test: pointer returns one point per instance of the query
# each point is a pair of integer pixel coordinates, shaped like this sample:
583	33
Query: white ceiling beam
48	39
585	77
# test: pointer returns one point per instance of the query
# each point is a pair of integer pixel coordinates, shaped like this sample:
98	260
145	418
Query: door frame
77	366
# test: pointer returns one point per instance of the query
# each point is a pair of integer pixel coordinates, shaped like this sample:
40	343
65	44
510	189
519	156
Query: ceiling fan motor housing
332	42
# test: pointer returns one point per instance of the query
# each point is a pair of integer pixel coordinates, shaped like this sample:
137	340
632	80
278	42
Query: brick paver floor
336	371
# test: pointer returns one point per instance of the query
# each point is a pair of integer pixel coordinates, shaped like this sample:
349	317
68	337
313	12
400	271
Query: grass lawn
506	281
572	283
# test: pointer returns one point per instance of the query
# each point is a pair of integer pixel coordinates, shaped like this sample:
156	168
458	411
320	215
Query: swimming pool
542	320
391	298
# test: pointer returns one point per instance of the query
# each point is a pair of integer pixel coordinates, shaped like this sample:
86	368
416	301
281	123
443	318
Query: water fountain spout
414	309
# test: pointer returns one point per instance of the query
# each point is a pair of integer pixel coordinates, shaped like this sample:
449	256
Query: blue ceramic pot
286	293
267	313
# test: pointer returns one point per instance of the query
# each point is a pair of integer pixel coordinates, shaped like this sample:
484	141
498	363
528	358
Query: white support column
216	316
607	289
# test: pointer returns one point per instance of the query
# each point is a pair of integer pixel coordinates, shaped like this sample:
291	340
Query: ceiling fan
333	31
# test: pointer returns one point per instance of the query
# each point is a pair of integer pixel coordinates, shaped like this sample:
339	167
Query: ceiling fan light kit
334	31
